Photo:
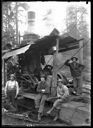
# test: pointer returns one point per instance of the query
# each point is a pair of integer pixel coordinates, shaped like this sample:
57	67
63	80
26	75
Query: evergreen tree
10	22
77	27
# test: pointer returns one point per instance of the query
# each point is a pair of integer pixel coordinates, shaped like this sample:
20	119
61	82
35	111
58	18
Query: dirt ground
8	121
46	121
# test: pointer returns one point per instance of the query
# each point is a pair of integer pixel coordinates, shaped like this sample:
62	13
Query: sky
56	18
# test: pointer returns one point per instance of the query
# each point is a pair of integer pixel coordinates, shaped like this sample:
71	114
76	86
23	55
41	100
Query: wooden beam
54	79
69	48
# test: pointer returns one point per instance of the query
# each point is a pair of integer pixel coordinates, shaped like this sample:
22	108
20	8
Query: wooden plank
34	96
29	95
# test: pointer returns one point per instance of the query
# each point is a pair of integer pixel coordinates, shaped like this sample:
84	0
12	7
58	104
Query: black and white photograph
46	63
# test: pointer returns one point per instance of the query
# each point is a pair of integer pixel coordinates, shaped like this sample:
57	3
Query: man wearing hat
12	89
76	72
62	94
44	90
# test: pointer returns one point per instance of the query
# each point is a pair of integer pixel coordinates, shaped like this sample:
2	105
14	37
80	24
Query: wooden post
81	62
54	79
81	52
19	38
3	72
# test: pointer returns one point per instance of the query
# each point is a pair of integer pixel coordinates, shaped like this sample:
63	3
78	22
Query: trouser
11	96
57	104
40	102
77	81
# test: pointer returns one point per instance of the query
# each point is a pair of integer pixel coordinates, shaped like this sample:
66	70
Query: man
76	72
44	90
11	89
62	94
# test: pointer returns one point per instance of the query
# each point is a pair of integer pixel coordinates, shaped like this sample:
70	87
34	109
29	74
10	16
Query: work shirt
12	85
75	68
43	85
62	92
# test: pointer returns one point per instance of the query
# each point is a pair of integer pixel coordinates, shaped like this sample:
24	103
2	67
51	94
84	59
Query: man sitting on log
62	95
44	90
76	72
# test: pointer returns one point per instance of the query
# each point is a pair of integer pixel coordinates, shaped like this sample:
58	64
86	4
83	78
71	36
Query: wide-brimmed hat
74	58
42	75
13	75
59	80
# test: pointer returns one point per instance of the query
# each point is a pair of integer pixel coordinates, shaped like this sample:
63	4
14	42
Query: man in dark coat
76	72
44	90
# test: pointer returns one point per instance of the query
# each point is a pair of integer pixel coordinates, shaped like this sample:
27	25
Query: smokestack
31	21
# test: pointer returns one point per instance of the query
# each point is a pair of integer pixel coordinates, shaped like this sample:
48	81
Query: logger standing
76	72
12	89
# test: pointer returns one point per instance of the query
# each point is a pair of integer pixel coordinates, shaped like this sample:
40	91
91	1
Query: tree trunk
81	52
16	23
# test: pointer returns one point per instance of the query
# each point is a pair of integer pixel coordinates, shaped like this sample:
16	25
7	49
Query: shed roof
44	44
15	52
